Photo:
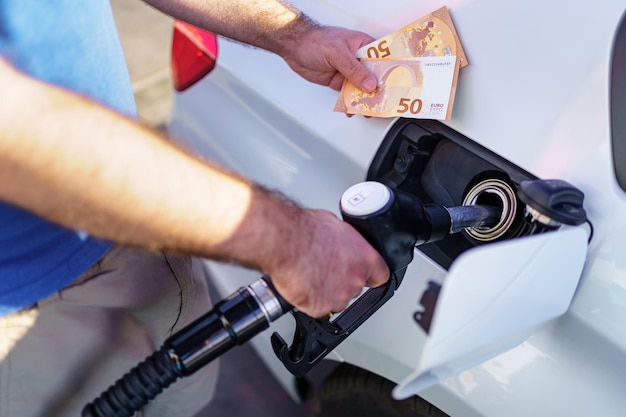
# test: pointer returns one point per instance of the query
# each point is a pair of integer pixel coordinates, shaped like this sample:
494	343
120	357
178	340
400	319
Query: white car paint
536	92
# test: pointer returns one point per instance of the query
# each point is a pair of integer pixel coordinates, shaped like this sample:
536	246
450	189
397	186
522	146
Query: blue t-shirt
72	44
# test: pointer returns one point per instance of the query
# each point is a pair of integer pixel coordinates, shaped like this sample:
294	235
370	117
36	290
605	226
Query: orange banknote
430	35
420	88
433	35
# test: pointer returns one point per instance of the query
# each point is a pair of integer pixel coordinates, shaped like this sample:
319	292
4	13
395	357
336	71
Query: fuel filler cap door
493	298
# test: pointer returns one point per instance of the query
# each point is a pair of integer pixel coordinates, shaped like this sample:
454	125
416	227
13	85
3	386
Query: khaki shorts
61	354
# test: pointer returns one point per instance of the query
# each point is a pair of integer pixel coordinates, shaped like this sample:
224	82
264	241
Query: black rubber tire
350	391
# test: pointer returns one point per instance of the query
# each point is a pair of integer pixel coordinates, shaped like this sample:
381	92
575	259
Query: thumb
357	74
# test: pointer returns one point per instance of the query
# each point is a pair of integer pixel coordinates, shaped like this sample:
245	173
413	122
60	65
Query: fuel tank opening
495	193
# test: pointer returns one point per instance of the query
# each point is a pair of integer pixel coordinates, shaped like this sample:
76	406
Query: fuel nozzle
394	221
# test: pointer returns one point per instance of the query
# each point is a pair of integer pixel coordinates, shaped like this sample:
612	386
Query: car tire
351	391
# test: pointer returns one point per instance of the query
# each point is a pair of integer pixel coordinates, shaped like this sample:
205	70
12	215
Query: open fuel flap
503	280
493	298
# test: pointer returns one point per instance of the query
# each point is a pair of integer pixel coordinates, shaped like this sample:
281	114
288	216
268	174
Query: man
77	173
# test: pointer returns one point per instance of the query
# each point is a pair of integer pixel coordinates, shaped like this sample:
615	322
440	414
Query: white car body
538	93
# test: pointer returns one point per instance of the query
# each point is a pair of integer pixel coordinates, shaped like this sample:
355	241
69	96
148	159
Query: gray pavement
245	388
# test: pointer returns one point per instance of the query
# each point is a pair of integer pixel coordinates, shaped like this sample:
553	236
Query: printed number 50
379	51
413	107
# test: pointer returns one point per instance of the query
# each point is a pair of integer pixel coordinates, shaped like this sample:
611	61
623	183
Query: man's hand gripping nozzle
393	223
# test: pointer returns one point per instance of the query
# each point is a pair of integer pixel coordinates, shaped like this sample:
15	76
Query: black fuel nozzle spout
394	222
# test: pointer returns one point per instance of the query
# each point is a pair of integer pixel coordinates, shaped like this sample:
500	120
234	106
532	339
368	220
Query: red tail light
194	54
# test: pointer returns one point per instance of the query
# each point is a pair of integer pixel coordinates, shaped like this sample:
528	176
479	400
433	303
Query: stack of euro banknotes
416	67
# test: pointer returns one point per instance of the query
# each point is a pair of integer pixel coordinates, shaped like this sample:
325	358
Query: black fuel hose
233	321
136	388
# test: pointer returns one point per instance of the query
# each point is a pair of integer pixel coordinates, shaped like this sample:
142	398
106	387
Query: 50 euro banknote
431	35
419	88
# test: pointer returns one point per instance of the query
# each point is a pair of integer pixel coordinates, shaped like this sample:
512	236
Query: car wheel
351	391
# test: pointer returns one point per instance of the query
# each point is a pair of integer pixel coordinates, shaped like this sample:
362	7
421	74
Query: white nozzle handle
365	199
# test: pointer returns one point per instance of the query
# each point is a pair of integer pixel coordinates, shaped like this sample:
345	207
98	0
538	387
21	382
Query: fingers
342	58
349	115
334	264
378	271
326	56
350	68
380	274
368	270
356	73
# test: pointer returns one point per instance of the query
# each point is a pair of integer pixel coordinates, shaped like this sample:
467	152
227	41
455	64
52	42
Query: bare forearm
320	54
268	24
87	168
